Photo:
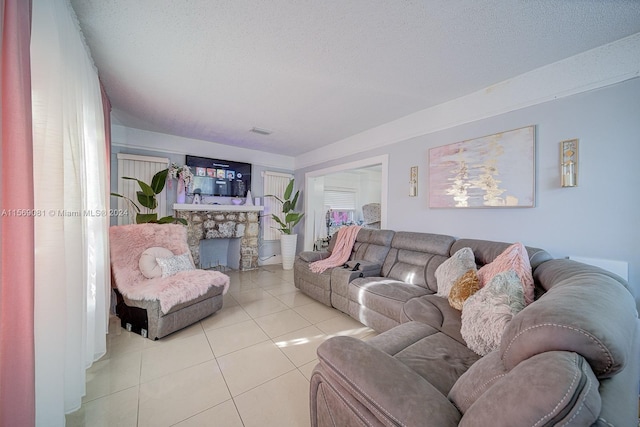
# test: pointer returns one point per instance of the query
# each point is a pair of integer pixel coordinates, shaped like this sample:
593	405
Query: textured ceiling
316	72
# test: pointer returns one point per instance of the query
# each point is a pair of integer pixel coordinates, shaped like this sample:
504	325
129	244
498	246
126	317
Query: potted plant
290	218
147	198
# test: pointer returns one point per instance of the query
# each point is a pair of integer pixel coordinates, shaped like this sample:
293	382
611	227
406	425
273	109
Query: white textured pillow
452	269
486	313
175	264
148	265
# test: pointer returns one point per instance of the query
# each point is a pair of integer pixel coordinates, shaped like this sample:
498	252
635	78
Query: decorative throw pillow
148	265
175	264
452	269
464	287
486	313
514	258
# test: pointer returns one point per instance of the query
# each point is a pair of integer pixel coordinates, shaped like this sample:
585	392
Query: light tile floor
249	364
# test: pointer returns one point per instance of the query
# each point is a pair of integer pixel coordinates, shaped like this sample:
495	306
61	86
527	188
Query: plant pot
288	250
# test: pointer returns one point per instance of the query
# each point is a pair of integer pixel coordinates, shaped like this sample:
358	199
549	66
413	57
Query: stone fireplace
223	222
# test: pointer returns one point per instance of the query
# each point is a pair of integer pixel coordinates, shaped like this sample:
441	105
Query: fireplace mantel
216	208
223	222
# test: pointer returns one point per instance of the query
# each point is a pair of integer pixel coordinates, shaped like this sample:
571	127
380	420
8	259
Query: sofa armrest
312	256
375	386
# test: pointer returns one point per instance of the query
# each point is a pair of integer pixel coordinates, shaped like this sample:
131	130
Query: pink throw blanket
341	252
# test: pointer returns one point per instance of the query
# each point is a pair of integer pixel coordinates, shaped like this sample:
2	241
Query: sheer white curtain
70	190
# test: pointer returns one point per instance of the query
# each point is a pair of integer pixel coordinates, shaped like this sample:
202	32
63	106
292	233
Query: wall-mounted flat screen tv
215	177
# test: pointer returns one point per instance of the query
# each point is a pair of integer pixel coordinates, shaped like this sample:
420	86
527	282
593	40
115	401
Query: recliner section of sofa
368	261
369	250
408	272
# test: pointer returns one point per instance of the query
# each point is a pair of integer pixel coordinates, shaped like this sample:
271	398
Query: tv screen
215	177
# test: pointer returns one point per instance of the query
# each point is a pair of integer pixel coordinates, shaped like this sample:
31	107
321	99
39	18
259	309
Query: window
340	199
342	203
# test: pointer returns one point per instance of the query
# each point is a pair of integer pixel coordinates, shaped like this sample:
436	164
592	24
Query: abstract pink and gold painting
492	171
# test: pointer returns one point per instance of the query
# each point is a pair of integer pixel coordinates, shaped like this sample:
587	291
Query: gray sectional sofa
569	358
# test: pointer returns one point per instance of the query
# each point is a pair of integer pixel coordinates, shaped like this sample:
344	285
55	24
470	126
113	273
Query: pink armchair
159	290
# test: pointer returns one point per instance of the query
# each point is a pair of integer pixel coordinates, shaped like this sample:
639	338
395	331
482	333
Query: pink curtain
17	390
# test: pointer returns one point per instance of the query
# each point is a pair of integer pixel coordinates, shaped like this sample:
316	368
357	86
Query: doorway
367	178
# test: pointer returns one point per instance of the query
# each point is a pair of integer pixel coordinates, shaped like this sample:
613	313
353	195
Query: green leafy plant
290	217
147	198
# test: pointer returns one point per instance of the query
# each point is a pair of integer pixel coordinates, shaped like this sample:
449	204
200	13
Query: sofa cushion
429	352
149	265
514	258
407	266
554	388
402	336
436	312
384	296
463	288
452	269
486	313
372	245
313	256
438	358
415	257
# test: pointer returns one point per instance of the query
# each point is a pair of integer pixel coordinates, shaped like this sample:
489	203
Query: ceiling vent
261	131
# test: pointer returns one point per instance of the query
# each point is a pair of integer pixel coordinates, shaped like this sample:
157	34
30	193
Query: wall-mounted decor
413	181
492	171
569	163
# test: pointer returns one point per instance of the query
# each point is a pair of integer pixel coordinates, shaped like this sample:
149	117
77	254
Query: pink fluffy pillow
515	258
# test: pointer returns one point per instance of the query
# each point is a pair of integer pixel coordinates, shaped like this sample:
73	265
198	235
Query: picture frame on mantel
493	171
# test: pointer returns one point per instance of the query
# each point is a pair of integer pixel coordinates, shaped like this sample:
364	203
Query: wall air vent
261	131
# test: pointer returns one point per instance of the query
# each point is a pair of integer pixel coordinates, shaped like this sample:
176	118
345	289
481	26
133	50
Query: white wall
598	219
370	188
